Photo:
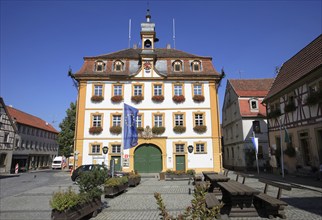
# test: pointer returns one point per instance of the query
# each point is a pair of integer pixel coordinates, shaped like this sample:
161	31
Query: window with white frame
179	119
158	122
157	89
139	121
118	66
100	65
254	104
199	120
178	89
196	66
117	90
97	120
96	148
116	120
179	148
116	148
177	66
200	147
137	90
98	90
6	137
197	89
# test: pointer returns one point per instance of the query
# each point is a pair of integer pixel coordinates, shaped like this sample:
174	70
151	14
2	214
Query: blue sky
41	39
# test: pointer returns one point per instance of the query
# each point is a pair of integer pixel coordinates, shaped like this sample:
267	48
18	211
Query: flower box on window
158	98
117	98
198	98
137	98
314	97
179	129
200	128
158	130
178	98
95	130
139	130
116	130
274	114
97	98
290	107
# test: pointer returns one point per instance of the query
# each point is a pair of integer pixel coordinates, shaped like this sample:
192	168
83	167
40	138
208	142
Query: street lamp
190	148
105	150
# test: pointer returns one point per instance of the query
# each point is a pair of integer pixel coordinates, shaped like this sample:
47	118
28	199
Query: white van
57	162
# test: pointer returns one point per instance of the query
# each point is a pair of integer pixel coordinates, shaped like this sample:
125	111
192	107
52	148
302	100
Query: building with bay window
176	95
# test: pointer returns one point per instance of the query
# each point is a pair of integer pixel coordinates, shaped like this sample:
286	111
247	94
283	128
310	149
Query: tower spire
148	15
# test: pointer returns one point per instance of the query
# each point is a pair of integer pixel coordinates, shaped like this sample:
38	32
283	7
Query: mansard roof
251	87
300	65
30	120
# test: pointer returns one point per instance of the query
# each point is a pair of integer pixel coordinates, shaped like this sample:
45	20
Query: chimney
168	46
135	46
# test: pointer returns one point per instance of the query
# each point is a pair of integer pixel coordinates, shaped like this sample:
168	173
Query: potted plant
198	98
70	205
95	130
97	98
290	107
274	113
157	98
158	130
179	129
134	179
179	174
115	185
117	99
137	98
178	98
116	130
314	97
200	129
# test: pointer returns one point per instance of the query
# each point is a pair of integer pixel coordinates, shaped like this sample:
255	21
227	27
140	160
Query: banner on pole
255	142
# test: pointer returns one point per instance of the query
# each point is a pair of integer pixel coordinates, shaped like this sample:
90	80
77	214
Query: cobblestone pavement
139	202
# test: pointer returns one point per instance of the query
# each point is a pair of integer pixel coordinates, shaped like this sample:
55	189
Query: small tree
66	135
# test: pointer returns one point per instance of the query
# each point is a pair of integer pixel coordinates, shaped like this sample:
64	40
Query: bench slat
211	200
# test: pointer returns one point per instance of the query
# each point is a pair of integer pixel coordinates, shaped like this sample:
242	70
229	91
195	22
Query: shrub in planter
97	98
134	179
116	130
115	185
191	172
200	128
274	114
158	130
314	97
157	98
179	129
178	98
95	130
137	98
117	98
63	200
198	98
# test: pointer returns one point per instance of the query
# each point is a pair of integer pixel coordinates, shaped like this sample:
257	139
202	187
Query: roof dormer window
177	66
196	66
99	66
118	66
253	104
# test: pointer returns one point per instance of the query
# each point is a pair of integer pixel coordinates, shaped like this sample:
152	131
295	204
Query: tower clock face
147	65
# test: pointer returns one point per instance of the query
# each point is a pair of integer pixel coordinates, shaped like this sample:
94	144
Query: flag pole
282	159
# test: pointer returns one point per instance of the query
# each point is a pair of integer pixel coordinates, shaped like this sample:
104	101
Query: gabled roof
30	120
251	87
301	64
8	115
132	53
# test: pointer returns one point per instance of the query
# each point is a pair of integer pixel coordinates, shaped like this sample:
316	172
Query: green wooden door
148	159
117	163
180	162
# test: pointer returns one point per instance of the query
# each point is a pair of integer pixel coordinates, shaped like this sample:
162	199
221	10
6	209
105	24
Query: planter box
178	176
134	181
162	176
87	209
115	190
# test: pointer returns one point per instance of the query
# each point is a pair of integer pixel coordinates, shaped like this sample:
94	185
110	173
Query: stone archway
148	159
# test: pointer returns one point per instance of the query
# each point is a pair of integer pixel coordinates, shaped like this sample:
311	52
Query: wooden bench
211	200
243	175
268	205
226	172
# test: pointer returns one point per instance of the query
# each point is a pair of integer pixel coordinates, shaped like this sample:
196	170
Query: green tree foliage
66	135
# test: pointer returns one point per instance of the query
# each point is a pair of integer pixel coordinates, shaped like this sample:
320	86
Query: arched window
196	66
99	66
177	66
118	66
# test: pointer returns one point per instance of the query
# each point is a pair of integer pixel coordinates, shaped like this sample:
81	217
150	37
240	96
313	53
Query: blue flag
130	136
255	142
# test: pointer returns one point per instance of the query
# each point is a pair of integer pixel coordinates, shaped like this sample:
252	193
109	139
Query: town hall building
176	94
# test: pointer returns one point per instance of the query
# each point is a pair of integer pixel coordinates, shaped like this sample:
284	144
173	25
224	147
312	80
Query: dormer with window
177	66
118	66
196	66
99	66
253	104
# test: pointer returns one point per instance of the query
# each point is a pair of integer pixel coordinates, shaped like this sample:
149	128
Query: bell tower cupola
148	35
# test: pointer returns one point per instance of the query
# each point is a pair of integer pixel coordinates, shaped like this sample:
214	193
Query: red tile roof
301	64
245	111
251	87
27	119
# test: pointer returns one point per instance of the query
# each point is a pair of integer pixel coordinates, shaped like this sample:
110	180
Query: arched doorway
148	159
